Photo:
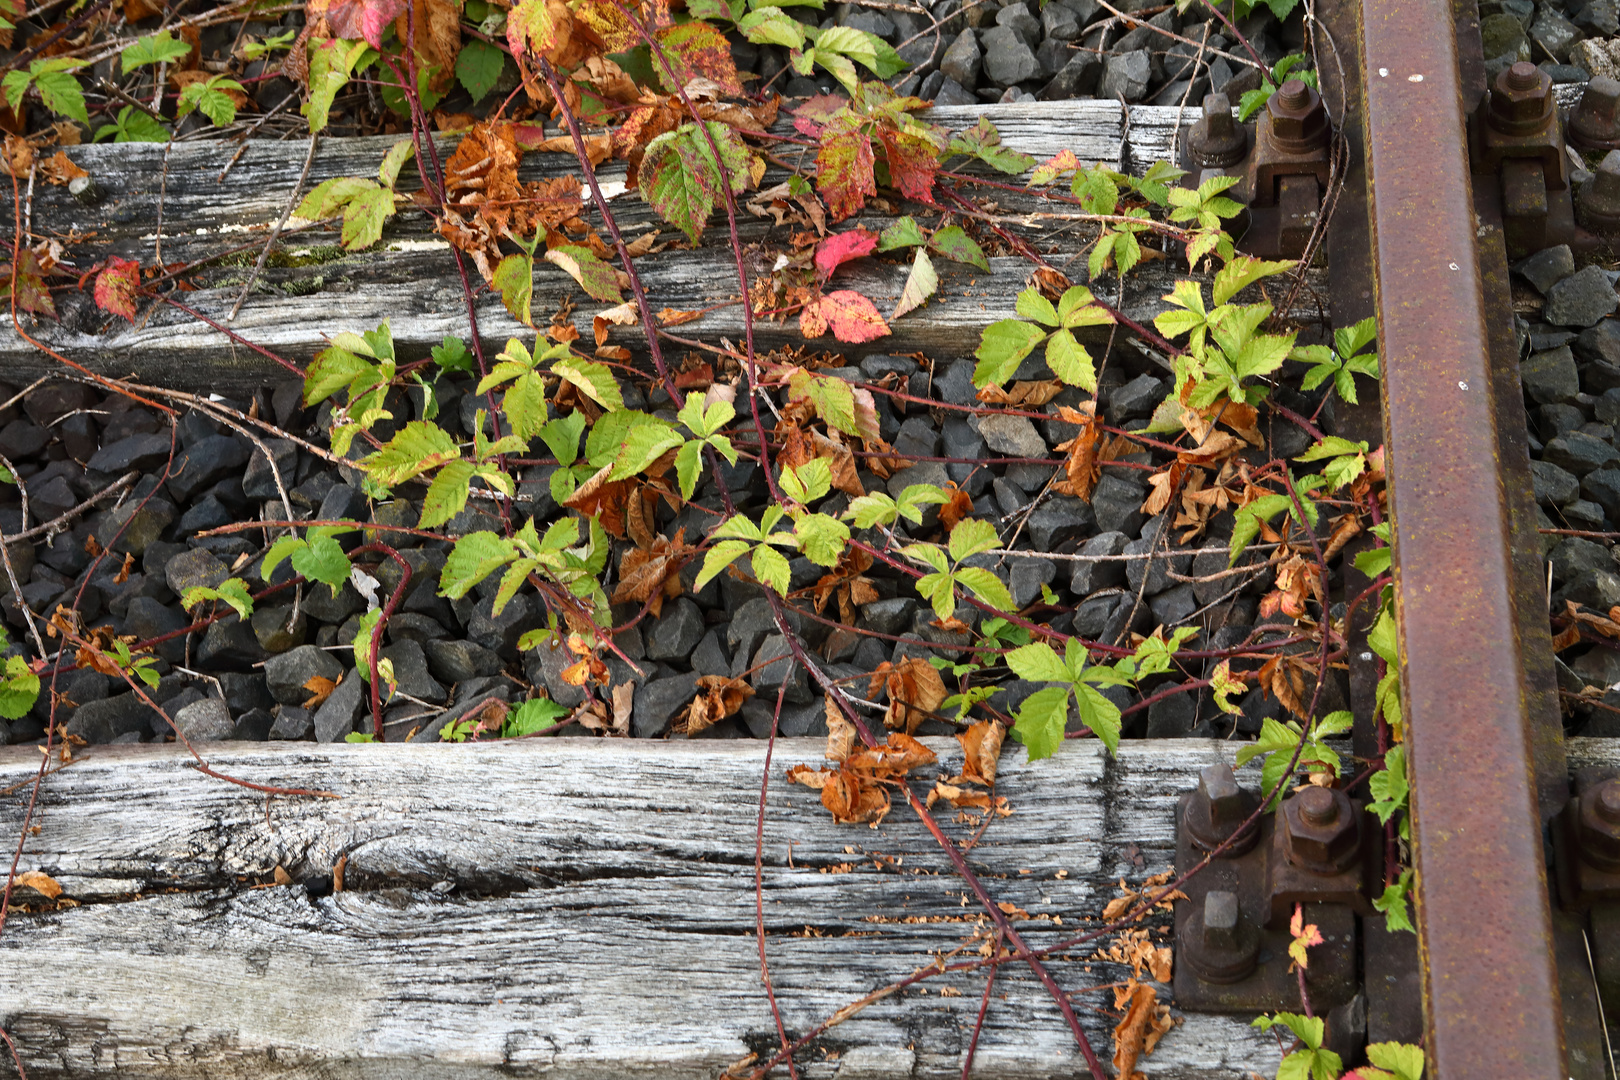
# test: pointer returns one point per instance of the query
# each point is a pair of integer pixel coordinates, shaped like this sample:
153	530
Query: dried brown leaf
981	749
41	883
320	688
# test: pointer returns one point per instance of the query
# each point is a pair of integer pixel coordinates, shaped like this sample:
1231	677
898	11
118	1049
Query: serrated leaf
1374	562
475	557
840	248
696	50
772	26
61	94
116	286
971	537
514	280
1038	663
844	168
903	233
157	48
645	444
447	495
985	585
323	559
19	689
595	380
1070	361
1032	305
1002	347
478	67
365	215
921	283
414	449
955	244
1041	721
822	538
771	568
594	276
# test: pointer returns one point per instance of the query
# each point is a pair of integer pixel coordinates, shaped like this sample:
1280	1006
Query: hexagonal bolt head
1321	830
1219	944
1596	120
1521	100
1599	202
1298	120
1217	141
1599	821
1219	808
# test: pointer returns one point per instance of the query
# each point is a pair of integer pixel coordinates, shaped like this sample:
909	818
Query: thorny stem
759	880
984	1007
375	650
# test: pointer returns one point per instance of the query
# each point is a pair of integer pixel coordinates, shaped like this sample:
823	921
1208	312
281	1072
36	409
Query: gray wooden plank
411	280
600	921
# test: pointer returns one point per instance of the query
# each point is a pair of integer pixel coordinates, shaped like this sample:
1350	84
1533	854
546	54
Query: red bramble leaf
116	285
696	50
355	20
850	316
28	283
836	250
913	160
844	168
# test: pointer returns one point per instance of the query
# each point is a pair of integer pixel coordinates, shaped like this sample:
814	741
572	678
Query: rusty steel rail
1476	730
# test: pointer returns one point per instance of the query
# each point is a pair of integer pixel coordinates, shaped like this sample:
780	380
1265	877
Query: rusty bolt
1298	120
1221	945
1217	141
1218	809
1600	825
1599	203
1321	833
1522	101
1595	124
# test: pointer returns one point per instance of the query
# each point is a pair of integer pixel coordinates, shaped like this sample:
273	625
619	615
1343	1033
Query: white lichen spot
1414	78
1461	385
1383	73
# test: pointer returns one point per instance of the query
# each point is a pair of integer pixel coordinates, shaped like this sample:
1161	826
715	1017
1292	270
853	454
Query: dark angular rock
293	724
259	481
963	59
1594	588
277	630
414	626
1582	514
1601	342
1017	18
1553	486
1058	23
207	720
1156	570
1575	555
103	721
206	513
1008	58
709	658
1581	299
1059	520
411	672
79	437
1554	33
1078	77
1089	576
890	616
1547	267
1579	453
452	661
132	526
951	92
194	568
1174	606
1551	376
54	400
774	665
657	701
253	726
1556	419
287	674
1117	505
1127	76
141	453
336	715
1134	400
1172	717
1026	578
500	632
147	618
205	464
1602	486
245	691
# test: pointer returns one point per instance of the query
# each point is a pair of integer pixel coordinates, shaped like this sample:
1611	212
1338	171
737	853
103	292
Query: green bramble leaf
323	559
1041	721
584	266
531	717
955	244
210	99
157	48
902	234
132	125
19	689
232	591
478	67
475	557
1002	348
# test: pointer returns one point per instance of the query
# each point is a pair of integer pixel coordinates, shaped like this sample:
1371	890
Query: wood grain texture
593	915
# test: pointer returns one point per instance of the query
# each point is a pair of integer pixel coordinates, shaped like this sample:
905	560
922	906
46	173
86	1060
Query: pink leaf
116	285
851	317
836	250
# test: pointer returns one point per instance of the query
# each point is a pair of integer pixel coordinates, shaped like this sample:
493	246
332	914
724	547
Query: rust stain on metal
1490	988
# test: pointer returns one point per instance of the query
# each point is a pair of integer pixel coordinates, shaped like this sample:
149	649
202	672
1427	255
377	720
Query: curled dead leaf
915	689
981	748
41	883
1145	1022
718	697
320	688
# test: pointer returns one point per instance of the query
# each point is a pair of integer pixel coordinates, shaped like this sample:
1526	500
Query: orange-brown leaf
41	883
915	689
1140	1029
652	575
959	508
320	688
981	749
718	697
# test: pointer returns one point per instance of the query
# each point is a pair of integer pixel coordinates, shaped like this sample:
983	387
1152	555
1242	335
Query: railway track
1435	182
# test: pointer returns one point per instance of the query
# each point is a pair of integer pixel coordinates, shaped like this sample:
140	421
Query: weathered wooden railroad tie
584	909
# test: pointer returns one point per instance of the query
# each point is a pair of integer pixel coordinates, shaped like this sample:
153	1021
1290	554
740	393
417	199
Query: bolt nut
1218	943
1321	831
1298	119
1595	124
1599	824
1217	141
1599	202
1218	809
1521	101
